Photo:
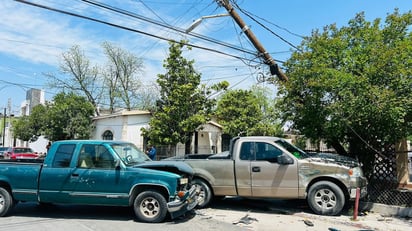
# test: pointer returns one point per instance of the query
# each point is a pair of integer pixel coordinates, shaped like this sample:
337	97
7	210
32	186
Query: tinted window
63	155
267	152
246	151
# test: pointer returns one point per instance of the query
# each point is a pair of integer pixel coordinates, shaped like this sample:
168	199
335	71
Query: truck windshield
129	153
292	149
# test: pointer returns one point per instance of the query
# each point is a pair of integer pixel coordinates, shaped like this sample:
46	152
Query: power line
133	30
268	29
133	15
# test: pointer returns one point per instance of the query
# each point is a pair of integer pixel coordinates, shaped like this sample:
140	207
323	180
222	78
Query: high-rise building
34	97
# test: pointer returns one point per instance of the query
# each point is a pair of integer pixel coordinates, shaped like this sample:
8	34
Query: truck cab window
267	152
246	151
63	156
104	159
95	156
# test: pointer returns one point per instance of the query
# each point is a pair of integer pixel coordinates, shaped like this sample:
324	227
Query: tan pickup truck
271	167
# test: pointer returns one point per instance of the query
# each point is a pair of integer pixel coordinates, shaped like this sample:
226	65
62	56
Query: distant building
34	97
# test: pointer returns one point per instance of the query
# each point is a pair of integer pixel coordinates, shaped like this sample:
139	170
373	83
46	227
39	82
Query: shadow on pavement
275	206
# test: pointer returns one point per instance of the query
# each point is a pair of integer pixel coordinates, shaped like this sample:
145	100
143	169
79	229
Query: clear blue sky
32	39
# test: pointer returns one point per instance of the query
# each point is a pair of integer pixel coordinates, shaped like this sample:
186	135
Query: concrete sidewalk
262	215
267	221
386	210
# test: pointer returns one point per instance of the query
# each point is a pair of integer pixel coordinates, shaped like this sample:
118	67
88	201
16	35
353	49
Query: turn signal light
181	194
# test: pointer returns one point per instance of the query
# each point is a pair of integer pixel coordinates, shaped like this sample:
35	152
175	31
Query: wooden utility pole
274	68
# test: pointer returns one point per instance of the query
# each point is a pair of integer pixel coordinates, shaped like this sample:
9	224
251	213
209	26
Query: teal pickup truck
100	172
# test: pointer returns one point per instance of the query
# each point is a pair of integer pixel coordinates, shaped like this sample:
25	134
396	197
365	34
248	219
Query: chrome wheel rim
325	199
150	207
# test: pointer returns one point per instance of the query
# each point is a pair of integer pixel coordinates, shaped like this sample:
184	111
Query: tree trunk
339	148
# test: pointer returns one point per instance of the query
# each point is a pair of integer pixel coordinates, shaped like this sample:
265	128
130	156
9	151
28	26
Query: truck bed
23	176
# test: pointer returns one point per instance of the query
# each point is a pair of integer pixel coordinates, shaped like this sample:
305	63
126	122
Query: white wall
125	127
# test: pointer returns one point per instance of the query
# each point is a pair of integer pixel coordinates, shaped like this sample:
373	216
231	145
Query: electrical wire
265	27
132	30
133	15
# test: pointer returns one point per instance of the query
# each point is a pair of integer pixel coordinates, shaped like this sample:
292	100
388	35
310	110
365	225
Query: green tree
21	128
183	104
353	86
270	123
68	117
239	112
29	128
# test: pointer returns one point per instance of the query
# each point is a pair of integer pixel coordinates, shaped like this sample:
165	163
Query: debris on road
245	220
308	222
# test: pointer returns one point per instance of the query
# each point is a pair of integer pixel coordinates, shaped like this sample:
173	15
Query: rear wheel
6	202
205	195
150	206
326	198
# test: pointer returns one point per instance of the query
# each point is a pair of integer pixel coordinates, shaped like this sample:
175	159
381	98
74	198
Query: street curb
386	210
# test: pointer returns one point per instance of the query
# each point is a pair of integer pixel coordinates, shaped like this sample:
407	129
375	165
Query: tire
326	198
205	194
150	206
6	202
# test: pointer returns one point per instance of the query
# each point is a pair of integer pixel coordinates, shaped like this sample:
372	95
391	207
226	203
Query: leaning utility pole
274	68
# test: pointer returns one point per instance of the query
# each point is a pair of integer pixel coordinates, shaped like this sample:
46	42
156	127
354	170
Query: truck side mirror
285	159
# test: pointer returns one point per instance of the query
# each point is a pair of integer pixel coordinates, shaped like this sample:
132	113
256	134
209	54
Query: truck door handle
255	169
75	174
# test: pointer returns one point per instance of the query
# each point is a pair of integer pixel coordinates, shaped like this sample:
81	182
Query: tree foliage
22	129
28	128
68	117
247	112
183	104
353	86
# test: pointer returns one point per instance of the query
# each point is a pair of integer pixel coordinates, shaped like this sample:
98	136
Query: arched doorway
107	135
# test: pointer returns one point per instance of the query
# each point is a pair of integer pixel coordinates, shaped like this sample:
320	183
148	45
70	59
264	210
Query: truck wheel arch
137	189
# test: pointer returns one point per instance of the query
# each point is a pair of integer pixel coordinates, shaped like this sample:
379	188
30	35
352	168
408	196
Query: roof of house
122	113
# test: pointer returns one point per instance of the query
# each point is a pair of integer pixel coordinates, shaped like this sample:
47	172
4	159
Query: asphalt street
230	214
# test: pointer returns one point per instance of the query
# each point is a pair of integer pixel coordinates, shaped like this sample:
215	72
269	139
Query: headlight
355	172
184	180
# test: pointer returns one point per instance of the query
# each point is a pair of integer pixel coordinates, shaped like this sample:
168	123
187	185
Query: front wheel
326	198
6	202
205	195
150	206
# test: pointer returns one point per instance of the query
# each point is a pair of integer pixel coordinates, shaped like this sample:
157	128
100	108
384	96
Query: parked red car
20	153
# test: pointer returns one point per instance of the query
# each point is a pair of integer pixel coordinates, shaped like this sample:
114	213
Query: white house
127	125
124	125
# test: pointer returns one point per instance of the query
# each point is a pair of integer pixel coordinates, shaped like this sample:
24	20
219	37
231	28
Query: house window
107	135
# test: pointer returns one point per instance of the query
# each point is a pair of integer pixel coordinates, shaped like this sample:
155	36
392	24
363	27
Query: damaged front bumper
186	203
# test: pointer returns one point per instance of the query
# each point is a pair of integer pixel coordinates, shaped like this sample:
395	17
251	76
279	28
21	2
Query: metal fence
383	186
